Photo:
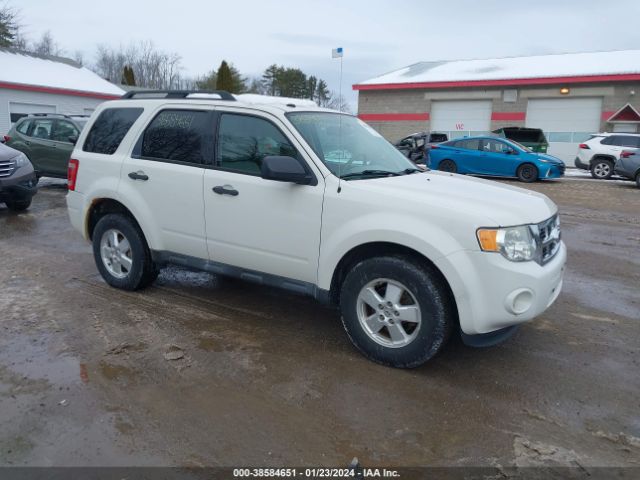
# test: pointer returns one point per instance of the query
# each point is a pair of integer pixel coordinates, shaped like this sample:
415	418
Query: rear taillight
72	173
627	153
6	138
584	146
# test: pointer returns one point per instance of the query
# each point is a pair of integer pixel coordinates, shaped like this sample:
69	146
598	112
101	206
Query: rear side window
109	129
473	144
243	141
23	128
42	129
179	135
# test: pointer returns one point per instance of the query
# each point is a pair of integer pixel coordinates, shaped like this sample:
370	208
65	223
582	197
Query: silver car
18	181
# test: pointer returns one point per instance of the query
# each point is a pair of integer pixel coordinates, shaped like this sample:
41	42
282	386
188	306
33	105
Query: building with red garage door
568	96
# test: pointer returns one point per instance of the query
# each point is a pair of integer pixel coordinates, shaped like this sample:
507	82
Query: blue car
494	156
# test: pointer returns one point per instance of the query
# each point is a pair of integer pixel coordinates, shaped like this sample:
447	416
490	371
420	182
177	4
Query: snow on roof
51	72
538	66
256	99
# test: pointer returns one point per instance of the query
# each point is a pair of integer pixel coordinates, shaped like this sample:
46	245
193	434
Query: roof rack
45	114
191	94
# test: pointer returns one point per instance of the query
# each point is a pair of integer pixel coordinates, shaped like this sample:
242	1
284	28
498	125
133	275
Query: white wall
67	104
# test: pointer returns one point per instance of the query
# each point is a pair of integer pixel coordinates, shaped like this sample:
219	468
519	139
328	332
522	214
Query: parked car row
601	153
521	153
494	156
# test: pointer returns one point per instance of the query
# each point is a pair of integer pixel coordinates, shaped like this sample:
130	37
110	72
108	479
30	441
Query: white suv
600	153
316	202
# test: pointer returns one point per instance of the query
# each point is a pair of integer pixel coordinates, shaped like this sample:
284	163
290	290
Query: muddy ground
270	379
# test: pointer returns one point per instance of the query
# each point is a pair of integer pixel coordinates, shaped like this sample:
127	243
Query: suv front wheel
121	253
602	169
395	312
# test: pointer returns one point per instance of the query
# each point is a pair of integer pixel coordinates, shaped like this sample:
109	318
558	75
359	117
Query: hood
7	153
489	203
551	158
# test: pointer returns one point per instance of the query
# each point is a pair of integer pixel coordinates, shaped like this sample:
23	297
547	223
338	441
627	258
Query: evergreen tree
312	83
208	81
8	26
128	77
270	79
224	81
322	95
238	82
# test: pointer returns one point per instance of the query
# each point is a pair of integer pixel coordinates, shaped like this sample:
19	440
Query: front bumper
493	293
553	171
19	186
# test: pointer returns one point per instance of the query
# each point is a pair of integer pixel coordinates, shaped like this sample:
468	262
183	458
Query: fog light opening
519	301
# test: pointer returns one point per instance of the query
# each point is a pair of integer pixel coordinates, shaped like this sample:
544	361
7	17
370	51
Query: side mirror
73	139
284	169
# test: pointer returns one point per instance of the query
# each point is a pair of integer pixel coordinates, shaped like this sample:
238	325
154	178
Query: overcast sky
378	36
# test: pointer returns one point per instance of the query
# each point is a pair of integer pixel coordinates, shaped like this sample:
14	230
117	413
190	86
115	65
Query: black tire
527	173
436	308
143	270
601	169
18	205
638	179
448	165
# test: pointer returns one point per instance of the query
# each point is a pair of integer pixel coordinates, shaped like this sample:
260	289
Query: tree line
142	64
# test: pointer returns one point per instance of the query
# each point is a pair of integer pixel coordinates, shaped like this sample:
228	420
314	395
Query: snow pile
539	66
24	69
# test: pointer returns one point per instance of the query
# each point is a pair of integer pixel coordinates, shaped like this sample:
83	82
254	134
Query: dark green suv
47	139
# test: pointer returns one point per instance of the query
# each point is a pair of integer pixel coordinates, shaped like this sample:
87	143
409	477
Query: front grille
6	167
548	237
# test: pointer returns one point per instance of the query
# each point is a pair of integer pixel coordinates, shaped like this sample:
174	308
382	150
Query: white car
600	153
247	190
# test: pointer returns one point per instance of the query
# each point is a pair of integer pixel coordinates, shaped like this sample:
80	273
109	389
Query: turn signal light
488	240
72	173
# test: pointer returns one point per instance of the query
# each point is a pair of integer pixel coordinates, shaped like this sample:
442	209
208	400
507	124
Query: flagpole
340	89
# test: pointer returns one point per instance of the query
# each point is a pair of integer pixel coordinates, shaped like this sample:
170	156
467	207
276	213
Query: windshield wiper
372	173
408	171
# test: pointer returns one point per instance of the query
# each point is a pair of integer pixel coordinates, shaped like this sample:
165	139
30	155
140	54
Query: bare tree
152	68
47	45
78	56
337	102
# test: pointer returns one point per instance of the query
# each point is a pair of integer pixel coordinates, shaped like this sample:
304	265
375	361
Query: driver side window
244	140
494	146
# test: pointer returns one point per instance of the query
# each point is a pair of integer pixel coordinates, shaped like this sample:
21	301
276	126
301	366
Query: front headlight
21	160
515	243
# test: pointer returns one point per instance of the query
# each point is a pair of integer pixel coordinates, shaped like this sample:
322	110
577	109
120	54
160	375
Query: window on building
109	129
243	141
179	135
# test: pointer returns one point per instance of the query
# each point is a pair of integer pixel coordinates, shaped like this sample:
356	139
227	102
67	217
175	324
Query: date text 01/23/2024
313	473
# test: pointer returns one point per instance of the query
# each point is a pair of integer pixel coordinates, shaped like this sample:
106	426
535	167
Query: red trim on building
509	116
606	115
498	83
625	114
393	117
57	91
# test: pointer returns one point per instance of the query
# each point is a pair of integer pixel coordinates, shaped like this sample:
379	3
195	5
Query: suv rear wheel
121	253
602	169
395	312
638	179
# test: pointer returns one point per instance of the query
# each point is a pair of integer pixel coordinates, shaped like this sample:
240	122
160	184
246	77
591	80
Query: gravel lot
270	379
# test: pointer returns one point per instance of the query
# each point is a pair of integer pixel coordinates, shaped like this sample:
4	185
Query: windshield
349	147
